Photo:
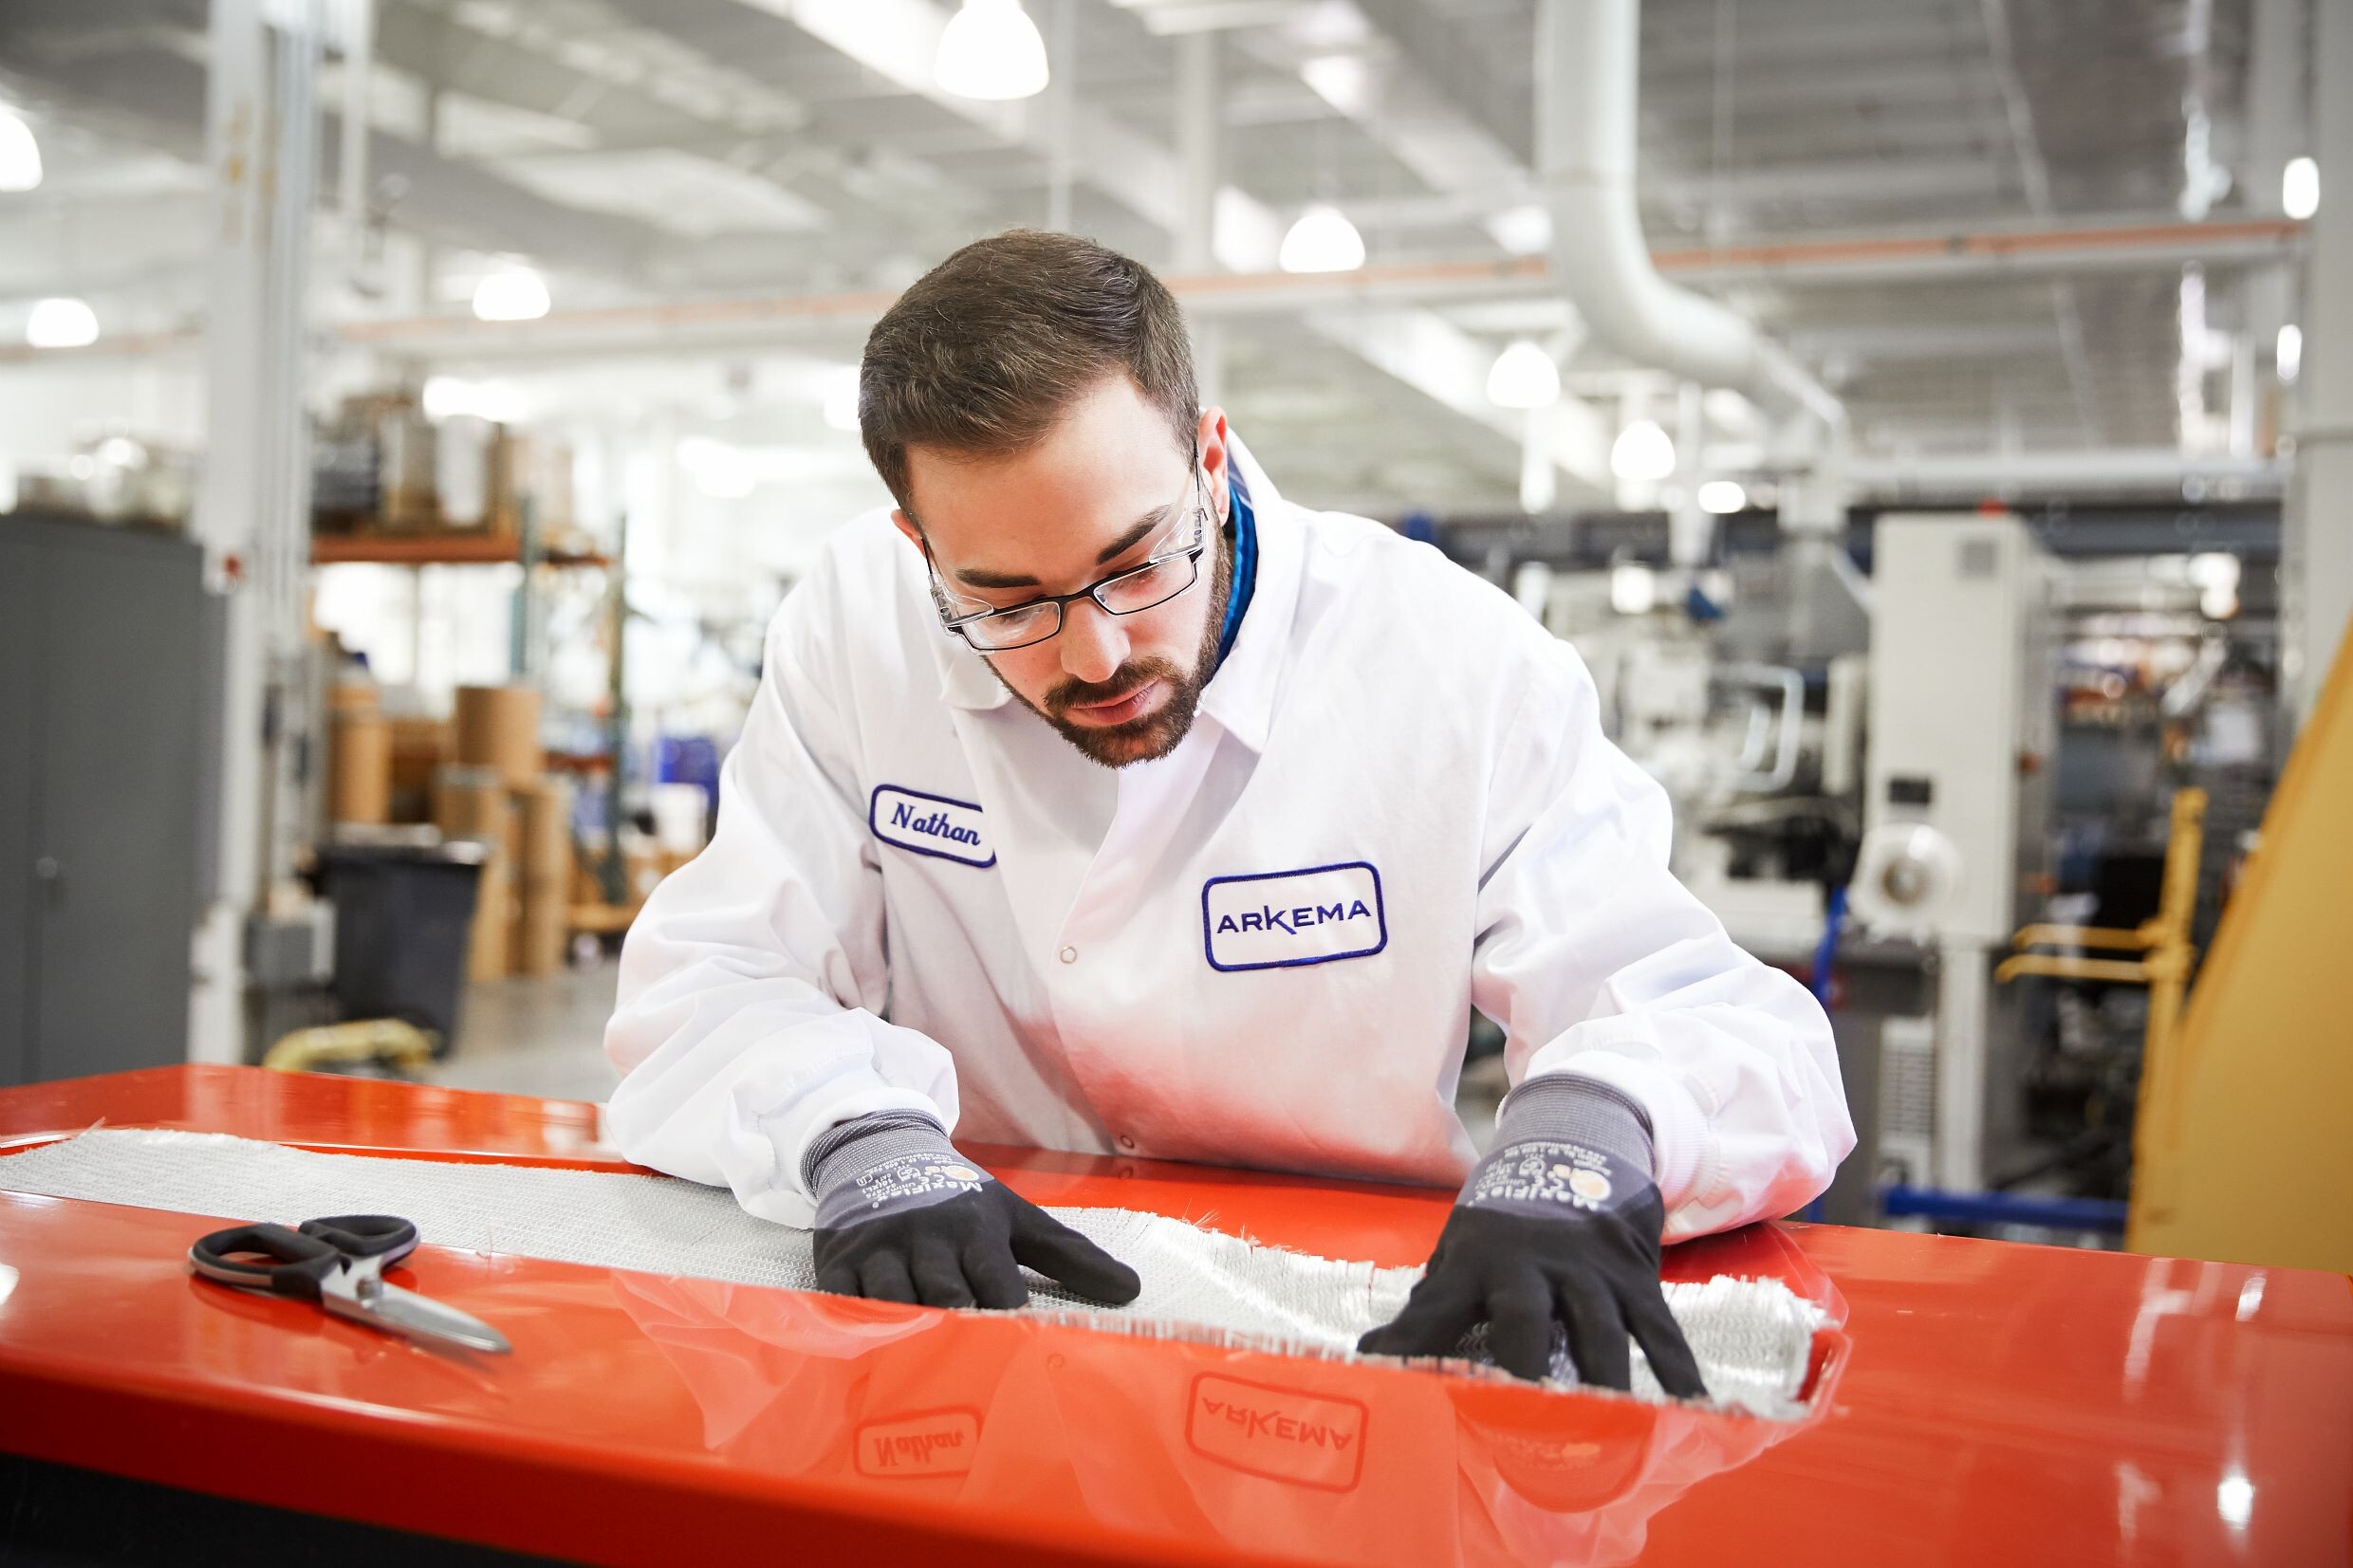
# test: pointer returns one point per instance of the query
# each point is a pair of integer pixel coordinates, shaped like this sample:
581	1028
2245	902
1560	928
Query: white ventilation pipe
1588	75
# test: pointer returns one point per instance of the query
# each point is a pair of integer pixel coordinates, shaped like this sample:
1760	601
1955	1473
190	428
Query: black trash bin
401	918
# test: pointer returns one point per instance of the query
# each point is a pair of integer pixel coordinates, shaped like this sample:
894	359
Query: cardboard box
546	805
497	728
358	768
473	802
543	928
421	749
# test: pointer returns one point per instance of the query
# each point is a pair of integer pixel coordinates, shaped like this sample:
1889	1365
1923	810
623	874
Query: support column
1200	158
252	514
2318	601
227	508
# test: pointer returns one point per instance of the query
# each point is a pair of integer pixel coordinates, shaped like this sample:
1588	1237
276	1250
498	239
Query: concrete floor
541	1035
545	1036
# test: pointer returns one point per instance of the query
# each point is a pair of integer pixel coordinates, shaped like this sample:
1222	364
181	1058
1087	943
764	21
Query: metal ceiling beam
1927	258
158	96
1434	48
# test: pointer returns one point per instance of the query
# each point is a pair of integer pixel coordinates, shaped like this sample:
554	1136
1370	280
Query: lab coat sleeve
1597	962
748	1020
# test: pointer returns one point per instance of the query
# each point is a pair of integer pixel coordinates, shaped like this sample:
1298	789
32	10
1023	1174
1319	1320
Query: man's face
1104	490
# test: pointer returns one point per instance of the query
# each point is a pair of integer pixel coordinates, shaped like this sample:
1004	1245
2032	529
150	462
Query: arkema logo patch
930	824
1276	919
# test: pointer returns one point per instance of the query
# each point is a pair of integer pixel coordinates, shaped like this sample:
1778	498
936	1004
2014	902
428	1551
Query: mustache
1125	682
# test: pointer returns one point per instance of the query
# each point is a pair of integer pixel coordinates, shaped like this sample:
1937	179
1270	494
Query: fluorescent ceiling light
2288	352
841	397
510	294
1322	241
20	154
1643	451
1341	81
990	50
1524	376
1723	497
2300	188
61	323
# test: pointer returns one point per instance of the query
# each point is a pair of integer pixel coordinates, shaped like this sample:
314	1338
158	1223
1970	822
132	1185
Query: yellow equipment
2243	1150
377	1041
2163	940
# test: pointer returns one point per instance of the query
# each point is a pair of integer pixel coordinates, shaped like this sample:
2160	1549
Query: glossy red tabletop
1980	1402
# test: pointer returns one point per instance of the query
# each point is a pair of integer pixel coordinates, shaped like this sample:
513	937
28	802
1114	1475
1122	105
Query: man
1104	800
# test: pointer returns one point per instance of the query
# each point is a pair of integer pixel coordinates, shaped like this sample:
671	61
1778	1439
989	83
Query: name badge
1277	919
930	824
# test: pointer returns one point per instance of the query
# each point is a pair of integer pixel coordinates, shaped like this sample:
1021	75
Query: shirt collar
1240	696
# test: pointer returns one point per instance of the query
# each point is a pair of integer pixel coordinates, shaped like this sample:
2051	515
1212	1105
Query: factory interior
1929	423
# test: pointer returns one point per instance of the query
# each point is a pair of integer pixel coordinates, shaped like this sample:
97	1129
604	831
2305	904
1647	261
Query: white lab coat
1395	805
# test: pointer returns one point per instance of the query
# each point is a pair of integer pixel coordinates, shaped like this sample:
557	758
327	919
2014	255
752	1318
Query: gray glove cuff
1544	1123
889	1160
1577	1110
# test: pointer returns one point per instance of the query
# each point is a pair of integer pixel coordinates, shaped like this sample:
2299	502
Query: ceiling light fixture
2300	188
61	323
1643	451
1524	376
510	294
1322	241
20	154
1723	497
990	50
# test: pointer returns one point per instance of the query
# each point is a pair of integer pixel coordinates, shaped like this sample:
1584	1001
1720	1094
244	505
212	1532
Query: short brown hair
986	350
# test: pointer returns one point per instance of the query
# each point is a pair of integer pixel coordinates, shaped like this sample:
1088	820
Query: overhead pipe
1587	80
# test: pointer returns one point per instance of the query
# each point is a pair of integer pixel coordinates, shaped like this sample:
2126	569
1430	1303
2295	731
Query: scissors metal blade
404	1312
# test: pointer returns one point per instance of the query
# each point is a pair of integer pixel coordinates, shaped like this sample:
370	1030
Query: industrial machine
1955	851
1886	742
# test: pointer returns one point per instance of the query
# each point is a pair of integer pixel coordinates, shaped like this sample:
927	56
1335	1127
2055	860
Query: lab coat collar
1241	695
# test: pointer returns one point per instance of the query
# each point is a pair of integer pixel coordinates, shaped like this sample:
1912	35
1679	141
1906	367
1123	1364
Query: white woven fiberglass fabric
1750	1337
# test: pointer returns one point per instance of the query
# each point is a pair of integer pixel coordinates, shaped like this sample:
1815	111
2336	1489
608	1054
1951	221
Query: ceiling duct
1587	79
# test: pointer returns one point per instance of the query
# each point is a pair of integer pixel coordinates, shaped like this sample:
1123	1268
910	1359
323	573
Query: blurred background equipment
1939	464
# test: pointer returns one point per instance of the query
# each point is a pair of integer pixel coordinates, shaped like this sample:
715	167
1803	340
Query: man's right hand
903	1217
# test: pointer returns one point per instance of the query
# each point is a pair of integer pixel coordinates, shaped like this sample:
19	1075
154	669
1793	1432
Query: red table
1980	1403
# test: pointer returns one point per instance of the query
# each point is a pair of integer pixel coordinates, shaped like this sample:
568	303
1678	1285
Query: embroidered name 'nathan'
938	825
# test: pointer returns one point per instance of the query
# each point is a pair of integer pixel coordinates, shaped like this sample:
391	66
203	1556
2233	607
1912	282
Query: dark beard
1156	733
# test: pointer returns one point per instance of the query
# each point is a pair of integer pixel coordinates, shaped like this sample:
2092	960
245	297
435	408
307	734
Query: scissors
338	1262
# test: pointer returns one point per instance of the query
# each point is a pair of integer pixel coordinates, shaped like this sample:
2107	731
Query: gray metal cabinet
104	654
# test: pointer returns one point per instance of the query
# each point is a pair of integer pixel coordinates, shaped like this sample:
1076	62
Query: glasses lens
1016	629
1155	584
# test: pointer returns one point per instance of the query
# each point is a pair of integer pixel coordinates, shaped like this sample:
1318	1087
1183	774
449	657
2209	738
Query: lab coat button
1069	955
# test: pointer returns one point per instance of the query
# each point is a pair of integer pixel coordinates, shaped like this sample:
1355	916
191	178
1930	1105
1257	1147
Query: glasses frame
960	625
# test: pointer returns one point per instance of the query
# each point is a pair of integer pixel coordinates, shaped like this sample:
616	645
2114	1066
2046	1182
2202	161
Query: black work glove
1557	1226
903	1217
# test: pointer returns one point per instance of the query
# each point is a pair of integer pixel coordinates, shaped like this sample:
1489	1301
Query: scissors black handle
301	1259
385	1236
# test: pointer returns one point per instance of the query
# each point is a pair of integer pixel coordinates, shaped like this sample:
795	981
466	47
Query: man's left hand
1559	1226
